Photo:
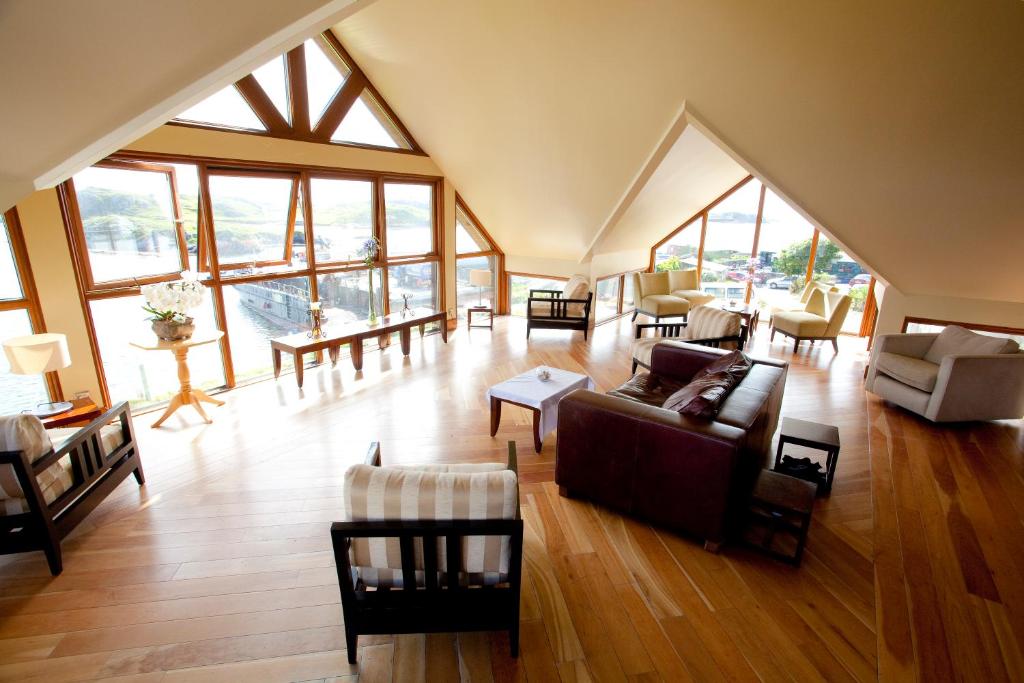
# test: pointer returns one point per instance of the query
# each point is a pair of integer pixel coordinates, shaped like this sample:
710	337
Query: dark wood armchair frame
96	473
557	316
433	607
676	329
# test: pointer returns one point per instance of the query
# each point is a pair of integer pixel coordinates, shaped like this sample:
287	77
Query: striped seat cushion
25	433
435	492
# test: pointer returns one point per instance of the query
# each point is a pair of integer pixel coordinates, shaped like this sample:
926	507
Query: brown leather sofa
691	475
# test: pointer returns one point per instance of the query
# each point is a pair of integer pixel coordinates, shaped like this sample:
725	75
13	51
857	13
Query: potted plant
168	303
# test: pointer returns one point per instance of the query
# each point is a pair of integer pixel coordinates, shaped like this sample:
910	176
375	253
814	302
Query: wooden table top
198	339
339	333
83	410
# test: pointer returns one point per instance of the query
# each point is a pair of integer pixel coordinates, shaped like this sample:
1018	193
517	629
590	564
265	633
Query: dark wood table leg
537	442
444	330
298	368
356	348
495	414
276	354
423	330
778	452
405	335
333	353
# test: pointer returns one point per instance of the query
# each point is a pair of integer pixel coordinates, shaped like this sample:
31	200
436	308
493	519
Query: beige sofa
954	376
821	318
667	294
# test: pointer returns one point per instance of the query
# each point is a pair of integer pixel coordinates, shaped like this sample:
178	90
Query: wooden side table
187	395
811	435
781	507
479	310
83	411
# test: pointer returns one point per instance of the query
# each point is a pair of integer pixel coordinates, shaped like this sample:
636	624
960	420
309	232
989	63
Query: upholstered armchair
667	294
954	376
822	318
799	304
706	326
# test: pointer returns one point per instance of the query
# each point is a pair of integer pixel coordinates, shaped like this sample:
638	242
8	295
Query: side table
811	435
187	395
480	310
83	411
781	505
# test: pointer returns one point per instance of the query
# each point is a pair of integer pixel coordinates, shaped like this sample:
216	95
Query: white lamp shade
480	278
37	353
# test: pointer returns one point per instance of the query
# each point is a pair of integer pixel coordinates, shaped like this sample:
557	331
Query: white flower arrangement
170	300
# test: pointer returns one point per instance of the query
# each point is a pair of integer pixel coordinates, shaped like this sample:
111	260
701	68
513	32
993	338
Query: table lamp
481	278
36	354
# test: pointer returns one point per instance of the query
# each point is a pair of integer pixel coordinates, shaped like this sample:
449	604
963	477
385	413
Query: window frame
29	299
501	277
208	261
621	308
509	274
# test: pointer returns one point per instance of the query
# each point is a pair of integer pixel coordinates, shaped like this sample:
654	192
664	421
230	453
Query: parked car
861	279
781	282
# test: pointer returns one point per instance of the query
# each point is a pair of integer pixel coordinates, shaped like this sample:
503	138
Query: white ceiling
79	80
896	126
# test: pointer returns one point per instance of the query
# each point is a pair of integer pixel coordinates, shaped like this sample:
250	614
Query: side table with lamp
37	354
480	278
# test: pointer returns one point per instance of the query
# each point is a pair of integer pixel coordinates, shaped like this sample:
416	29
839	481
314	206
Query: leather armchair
691	475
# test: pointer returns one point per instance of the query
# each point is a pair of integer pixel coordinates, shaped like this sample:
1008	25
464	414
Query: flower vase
169	330
372	318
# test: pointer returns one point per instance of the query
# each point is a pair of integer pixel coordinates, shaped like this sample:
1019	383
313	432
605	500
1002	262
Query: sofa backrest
708	322
576	288
953	340
683	279
649	284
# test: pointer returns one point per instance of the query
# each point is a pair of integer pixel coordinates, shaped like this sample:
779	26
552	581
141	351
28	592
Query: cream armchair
822	318
953	376
667	294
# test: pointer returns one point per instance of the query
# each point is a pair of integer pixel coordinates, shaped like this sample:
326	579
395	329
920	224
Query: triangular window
273	78
323	80
224	108
367	124
468	238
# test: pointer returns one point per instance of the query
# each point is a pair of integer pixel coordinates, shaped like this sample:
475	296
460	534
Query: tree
793	259
671	263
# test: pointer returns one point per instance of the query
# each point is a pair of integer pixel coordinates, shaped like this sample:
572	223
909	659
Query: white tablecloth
529	390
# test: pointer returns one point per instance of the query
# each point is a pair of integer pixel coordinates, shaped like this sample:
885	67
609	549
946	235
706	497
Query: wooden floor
220	570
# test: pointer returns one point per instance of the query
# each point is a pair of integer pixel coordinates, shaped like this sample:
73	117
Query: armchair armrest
666	329
978	387
556	294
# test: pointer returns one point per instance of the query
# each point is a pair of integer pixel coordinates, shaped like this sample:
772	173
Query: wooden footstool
811	435
780	510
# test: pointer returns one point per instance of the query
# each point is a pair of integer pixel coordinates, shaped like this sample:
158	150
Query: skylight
323	80
224	108
273	78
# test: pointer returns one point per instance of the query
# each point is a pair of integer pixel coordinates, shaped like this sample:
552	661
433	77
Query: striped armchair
420	543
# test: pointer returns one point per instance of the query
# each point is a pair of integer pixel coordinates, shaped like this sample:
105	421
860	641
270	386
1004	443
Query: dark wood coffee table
353	333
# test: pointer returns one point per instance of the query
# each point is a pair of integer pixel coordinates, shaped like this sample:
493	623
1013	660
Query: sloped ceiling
79	80
896	126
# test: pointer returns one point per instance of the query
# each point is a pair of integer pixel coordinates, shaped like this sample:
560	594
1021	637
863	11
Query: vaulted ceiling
896	126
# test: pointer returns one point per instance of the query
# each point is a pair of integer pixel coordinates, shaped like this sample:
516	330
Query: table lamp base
50	409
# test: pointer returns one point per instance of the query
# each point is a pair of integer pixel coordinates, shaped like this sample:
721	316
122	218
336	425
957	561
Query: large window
244	229
607	299
833	265
19	316
729	243
476	251
682	250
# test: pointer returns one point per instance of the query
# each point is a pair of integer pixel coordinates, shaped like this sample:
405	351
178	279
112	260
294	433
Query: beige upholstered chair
822	318
956	375
667	294
706	326
798	304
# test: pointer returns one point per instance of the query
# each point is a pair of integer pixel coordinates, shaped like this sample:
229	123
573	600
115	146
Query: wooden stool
480	310
782	505
811	435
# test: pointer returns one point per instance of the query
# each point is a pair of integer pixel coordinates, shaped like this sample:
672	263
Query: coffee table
529	391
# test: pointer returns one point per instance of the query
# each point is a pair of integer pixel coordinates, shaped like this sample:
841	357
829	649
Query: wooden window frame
501	282
300	127
215	279
29	299
509	274
980	327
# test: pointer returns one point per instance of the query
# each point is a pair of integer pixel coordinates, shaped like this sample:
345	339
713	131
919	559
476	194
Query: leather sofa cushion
916	372
955	340
648	388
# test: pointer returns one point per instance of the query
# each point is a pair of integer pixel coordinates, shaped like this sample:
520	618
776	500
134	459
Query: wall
894	306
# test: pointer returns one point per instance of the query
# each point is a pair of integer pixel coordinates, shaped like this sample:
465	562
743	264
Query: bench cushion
918	373
438	492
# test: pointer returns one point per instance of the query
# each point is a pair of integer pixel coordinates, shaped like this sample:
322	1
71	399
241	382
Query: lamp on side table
36	354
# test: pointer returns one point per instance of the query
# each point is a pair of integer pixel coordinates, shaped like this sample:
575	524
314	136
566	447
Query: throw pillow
646	387
955	340
703	397
735	363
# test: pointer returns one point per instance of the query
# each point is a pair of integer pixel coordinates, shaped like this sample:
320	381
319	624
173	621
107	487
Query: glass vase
372	318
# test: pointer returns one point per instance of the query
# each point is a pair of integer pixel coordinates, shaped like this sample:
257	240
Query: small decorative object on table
368	251
318	319
810	435
405	305
168	302
543	374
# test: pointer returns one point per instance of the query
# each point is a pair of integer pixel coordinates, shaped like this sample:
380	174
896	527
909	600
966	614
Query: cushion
664	304
800	323
26	433
392	493
918	373
651	284
455	467
642	348
816	303
706	322
703	396
683	280
111	436
694	296
648	388
955	340
737	364
576	288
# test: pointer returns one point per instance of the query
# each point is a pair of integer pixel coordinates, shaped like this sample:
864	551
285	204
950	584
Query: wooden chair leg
772	337
835	344
513	640
712	546
633	370
51	547
635	313
796	345
352	644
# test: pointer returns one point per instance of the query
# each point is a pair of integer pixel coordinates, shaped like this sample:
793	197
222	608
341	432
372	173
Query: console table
353	333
